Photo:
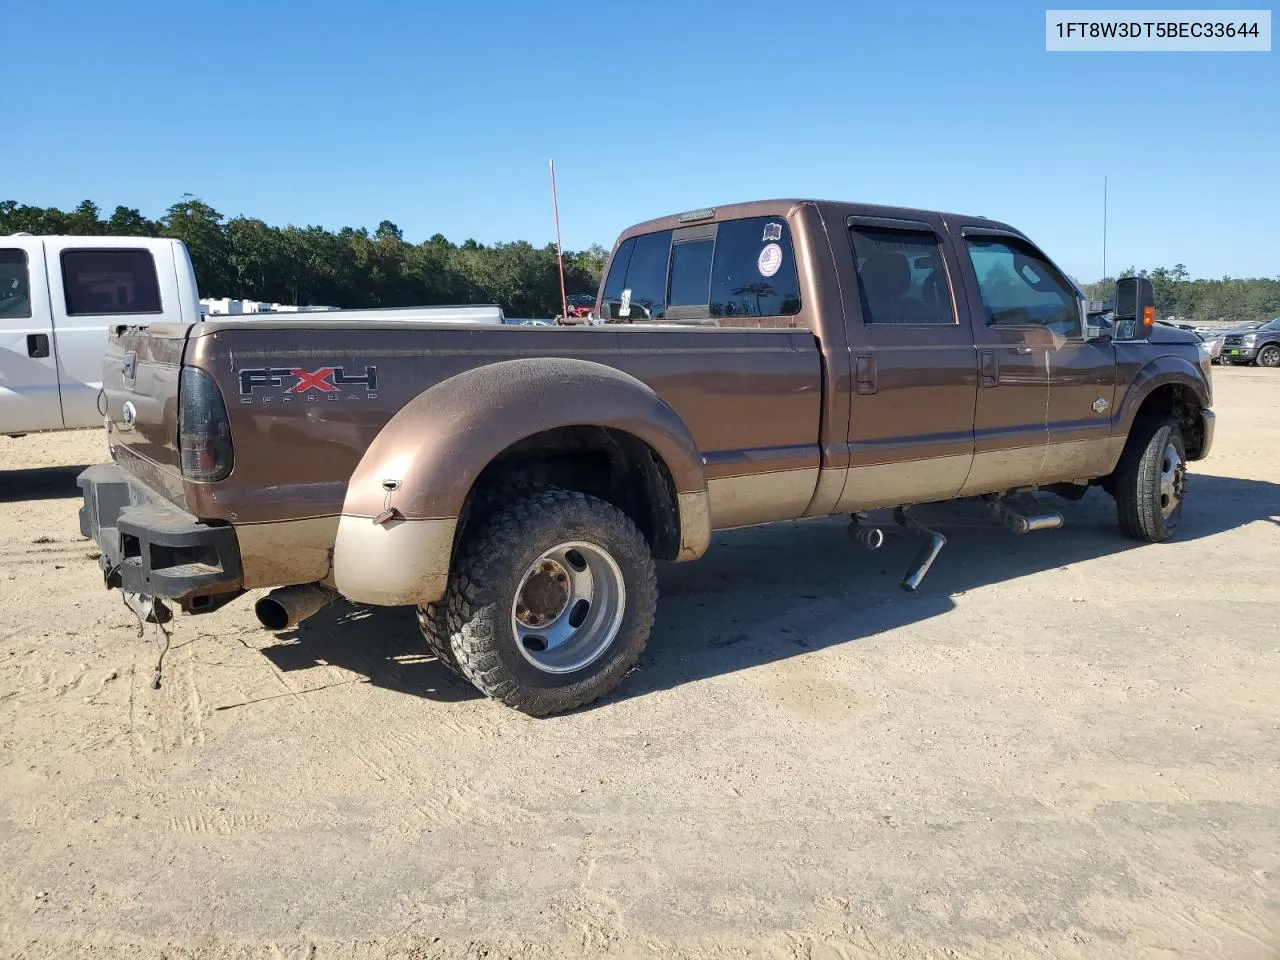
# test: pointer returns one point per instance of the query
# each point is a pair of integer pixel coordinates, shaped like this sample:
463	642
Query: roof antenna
1104	228
555	206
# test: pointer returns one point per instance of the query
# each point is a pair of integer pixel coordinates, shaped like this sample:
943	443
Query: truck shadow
768	593
40	483
381	643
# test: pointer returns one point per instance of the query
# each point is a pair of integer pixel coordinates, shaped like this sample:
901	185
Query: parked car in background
581	304
1258	344
1214	342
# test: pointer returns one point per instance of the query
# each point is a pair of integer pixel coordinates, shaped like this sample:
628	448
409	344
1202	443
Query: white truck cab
58	298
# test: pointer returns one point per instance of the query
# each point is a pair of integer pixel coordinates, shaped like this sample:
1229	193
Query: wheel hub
1173	478
568	607
545	595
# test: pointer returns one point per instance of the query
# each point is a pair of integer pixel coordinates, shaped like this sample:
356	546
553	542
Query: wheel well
613	465
1180	403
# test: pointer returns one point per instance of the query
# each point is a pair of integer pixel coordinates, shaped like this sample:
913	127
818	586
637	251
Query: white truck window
15	284
103	282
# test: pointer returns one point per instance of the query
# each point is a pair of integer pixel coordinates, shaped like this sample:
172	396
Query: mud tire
434	625
488	571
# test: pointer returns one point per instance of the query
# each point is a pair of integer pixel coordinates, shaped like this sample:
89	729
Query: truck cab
58	298
961	360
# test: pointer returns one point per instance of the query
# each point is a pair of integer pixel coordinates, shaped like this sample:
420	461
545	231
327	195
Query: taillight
204	435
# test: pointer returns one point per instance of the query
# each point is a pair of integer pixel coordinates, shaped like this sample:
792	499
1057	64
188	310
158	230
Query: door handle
37	345
990	369
865	374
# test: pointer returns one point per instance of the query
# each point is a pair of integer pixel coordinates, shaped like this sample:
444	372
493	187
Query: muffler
286	607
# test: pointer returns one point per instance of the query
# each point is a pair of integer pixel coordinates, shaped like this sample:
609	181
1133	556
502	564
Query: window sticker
770	260
624	303
772	231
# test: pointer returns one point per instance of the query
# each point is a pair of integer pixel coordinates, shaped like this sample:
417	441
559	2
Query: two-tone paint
753	420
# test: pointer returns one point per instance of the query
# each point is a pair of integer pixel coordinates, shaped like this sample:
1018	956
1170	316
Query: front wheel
551	601
1269	356
1150	481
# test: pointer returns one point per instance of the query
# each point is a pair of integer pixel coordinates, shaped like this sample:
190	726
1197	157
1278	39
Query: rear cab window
15	284
110	282
723	270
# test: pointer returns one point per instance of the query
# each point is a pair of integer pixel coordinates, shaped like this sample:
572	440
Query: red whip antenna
555	206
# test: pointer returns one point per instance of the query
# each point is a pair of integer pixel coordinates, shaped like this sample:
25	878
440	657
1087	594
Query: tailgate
140	381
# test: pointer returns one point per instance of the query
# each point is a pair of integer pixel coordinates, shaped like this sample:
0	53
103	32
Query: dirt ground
1064	746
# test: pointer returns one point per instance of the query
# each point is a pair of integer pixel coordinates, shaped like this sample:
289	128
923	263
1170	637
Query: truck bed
752	399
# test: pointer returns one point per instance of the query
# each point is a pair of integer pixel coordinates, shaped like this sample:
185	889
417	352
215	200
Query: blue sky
442	116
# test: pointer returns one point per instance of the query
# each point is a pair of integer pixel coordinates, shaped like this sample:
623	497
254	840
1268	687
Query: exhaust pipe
933	544
1019	523
923	561
286	607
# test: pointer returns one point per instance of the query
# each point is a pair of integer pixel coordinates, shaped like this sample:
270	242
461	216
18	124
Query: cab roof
830	209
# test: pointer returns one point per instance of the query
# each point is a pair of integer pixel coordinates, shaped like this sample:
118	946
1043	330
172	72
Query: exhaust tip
286	607
271	613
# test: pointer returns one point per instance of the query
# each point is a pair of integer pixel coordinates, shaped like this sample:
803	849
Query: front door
914	371
1044	410
1027	329
29	398
1082	395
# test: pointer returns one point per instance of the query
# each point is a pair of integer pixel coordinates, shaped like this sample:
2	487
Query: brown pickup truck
752	363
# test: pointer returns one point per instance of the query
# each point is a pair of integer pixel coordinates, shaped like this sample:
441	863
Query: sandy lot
1064	746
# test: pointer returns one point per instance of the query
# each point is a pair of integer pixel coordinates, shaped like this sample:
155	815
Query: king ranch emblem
285	384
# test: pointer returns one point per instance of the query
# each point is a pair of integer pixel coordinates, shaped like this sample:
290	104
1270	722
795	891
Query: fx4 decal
295	383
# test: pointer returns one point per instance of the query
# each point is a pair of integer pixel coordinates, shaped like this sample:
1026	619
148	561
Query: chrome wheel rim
1173	479
568	607
1270	357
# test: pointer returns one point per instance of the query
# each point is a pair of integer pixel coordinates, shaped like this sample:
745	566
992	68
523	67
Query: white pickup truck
60	295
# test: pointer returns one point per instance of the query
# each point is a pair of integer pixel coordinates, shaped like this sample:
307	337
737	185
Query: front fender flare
1162	371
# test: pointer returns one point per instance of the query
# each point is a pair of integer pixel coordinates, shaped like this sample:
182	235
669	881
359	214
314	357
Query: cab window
1020	288
642	293
734	268
753	273
15	284
901	278
106	282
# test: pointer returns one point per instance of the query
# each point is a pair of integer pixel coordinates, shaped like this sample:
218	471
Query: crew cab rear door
28	367
914	369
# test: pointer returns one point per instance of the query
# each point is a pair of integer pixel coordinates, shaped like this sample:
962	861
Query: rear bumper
152	548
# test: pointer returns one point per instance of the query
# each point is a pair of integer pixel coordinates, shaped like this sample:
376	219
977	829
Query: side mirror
1135	308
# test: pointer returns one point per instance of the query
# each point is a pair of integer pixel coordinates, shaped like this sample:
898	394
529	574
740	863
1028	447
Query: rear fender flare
426	459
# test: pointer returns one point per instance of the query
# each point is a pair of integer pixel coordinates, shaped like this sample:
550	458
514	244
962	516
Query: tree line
246	258
1177	295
